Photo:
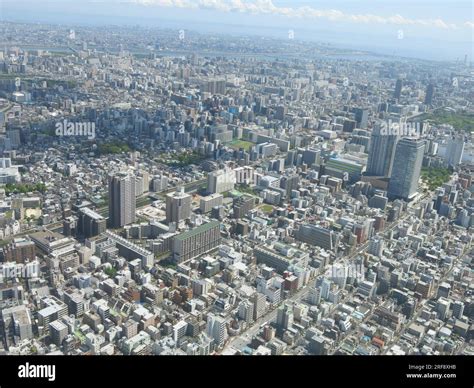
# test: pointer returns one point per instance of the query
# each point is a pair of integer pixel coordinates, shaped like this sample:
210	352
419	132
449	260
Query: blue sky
432	29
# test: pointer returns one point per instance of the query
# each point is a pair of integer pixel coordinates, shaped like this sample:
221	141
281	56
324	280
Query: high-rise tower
406	169
122	200
382	152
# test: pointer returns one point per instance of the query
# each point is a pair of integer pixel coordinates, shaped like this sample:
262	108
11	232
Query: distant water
229	54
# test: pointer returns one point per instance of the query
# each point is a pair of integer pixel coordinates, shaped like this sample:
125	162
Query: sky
428	29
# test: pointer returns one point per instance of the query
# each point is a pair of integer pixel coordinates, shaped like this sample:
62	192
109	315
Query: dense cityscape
168	192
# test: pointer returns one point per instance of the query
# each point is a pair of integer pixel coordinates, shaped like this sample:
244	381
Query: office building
16	322
159	183
213	86
361	117
311	156
245	312
289	183
8	174
430	91
196	242
179	330
376	246
349	125
345	169
259	301
398	89
122	201
281	111
178	206
57	331
243	205
442	308
381	153
458	309
280	256
90	223
406	169
52	309
207	203
128	249
285	316
19	250
318	236
455	151
244	175
221	181
216	329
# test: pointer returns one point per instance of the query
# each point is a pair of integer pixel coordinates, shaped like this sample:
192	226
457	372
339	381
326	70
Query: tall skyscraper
178	206
406	169
382	152
398	89
430	90
455	151
122	200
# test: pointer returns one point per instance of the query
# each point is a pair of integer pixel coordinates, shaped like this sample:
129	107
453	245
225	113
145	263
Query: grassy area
245	189
163	256
435	177
112	272
183	160
459	120
266	208
23	188
238	144
116	147
80	336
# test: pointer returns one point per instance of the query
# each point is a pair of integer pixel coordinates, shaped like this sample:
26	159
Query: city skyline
404	28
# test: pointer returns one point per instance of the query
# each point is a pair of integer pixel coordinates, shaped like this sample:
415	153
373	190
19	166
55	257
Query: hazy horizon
438	32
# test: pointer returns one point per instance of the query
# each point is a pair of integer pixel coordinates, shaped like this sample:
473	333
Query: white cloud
266	7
